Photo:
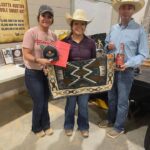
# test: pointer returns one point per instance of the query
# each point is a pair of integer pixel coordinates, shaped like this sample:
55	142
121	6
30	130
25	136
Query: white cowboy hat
79	15
138	4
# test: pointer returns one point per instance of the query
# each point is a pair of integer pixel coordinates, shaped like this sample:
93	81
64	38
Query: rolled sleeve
142	52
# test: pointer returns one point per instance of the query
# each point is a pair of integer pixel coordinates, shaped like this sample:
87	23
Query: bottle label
119	60
120	56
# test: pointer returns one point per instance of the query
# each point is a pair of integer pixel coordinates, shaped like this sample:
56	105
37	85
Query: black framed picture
17	56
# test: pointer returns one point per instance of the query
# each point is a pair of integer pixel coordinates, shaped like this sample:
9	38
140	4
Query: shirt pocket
131	48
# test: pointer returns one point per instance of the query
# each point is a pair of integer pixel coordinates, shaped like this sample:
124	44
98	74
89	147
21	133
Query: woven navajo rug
81	77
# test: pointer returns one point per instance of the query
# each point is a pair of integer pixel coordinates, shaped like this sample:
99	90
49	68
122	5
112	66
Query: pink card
63	53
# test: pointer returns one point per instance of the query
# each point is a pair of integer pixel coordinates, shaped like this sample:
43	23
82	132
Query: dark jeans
37	85
82	121
118	98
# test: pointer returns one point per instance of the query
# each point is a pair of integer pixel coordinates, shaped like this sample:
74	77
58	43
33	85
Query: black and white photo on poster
7	54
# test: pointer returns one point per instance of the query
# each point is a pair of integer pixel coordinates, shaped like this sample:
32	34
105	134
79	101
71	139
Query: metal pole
72	6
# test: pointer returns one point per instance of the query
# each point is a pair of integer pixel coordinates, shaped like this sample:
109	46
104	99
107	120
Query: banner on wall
13	20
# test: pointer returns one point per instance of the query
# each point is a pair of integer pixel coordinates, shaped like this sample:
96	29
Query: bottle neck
121	48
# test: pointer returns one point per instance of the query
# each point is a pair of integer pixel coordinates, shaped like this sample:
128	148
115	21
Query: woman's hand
27	53
45	70
43	61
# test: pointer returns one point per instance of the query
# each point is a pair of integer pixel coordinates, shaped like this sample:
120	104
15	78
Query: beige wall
60	8
97	11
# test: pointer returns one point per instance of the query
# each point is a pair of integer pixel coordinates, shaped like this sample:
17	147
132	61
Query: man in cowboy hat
134	38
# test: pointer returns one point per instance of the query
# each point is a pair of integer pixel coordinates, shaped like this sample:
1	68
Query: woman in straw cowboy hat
82	48
134	39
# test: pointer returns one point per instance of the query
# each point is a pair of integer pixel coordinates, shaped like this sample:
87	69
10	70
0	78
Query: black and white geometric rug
81	77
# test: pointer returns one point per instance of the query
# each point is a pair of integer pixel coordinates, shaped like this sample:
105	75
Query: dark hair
71	23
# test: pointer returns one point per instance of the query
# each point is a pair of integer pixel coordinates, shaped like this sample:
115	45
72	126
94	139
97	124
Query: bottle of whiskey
120	57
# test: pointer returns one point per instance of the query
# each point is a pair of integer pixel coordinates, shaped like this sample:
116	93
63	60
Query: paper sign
63	53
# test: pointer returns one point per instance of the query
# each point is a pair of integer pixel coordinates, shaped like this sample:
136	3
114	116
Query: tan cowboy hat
79	15
138	4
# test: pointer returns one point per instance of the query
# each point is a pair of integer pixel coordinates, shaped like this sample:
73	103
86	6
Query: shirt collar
131	22
69	37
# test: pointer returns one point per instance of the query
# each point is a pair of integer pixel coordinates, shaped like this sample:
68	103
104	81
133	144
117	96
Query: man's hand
122	68
111	46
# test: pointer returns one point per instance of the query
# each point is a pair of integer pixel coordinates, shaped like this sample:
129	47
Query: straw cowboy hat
79	15
138	4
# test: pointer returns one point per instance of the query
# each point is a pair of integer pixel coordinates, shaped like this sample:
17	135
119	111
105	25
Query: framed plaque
17	56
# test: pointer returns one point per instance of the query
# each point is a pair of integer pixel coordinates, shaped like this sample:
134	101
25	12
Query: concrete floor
15	125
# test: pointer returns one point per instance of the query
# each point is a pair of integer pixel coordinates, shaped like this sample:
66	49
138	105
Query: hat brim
46	11
69	19
138	5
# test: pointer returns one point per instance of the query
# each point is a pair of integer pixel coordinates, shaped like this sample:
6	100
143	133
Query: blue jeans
82	121
118	98
37	85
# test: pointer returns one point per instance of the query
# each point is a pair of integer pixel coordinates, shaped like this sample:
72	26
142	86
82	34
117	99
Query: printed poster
13	20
